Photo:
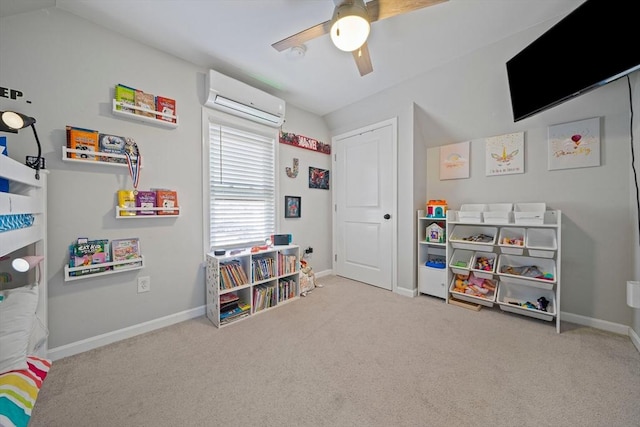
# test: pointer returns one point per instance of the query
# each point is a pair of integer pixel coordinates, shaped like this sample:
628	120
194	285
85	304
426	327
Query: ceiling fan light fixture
350	26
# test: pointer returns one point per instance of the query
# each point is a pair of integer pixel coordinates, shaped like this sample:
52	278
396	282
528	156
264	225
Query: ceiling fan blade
363	60
381	9
303	36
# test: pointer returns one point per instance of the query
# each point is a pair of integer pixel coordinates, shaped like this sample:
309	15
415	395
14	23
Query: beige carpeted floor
350	354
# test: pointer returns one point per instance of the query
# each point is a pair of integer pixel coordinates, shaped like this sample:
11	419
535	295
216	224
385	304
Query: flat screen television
590	47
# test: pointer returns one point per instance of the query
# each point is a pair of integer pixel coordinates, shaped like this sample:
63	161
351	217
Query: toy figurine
542	304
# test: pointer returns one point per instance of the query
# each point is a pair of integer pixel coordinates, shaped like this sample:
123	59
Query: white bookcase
261	280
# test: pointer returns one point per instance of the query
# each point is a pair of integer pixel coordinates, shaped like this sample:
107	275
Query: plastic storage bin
471	212
511	240
461	261
484	264
515	269
509	293
529	213
498	213
462	237
487	299
541	242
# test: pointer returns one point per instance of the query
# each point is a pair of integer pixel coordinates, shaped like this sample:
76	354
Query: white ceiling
235	37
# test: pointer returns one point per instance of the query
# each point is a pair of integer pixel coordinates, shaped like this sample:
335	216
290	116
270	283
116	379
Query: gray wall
468	100
67	67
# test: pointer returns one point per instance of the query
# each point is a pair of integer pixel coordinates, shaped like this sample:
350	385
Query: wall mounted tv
592	46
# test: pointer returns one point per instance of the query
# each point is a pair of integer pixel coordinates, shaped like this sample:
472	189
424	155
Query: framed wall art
574	144
454	161
292	206
504	154
318	178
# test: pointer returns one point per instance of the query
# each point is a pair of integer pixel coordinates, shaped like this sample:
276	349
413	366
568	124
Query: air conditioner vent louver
237	98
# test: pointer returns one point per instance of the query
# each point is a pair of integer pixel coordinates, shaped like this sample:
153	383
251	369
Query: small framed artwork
318	178
504	154
575	144
454	161
292	206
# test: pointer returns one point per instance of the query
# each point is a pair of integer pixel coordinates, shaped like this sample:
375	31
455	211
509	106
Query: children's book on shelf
112	144
234	311
125	250
228	298
166	106
82	139
146	199
89	252
126	199
166	199
146	101
125	95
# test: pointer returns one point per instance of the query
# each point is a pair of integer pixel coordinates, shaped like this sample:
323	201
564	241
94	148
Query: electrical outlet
144	284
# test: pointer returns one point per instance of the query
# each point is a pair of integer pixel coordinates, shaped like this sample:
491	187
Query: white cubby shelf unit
520	255
261	280
145	119
115	267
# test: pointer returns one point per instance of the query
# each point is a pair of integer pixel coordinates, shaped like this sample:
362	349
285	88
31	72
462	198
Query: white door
364	184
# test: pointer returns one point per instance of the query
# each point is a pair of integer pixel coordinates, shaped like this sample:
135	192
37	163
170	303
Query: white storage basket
462	237
512	296
541	242
511	240
509	267
498	213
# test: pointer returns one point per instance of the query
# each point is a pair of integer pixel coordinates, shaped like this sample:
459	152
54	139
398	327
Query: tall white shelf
27	195
432	280
284	273
541	247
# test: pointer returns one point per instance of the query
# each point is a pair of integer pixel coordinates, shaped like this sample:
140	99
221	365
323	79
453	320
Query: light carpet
350	354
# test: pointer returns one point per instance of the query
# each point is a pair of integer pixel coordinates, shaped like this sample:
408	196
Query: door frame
393	122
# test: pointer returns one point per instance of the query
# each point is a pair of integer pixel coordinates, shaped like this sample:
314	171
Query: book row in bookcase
247	283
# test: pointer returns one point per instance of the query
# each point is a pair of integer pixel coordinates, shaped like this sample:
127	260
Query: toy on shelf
435	233
437	209
436	262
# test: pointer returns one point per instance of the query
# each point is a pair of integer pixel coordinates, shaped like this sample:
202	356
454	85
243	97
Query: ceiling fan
349	27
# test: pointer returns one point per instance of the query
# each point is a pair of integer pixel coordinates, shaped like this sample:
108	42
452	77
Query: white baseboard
604	325
121	334
406	292
324	273
635	339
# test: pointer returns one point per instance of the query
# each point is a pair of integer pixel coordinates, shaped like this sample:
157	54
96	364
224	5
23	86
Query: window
242	182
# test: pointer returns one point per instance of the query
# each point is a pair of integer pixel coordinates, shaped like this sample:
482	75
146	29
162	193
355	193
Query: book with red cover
166	106
167	199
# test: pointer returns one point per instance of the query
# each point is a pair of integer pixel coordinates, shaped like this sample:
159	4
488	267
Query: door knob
387	216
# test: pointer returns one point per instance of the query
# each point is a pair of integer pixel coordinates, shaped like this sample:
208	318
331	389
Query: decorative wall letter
292	173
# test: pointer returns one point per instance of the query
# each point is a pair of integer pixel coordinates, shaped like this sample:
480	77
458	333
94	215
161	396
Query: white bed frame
27	195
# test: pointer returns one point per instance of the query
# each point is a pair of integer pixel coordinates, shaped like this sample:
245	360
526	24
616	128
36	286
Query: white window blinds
242	187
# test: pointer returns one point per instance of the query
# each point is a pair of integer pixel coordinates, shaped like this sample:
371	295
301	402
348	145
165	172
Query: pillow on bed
17	315
19	391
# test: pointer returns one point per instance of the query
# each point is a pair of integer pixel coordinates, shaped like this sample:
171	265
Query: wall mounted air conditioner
240	99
